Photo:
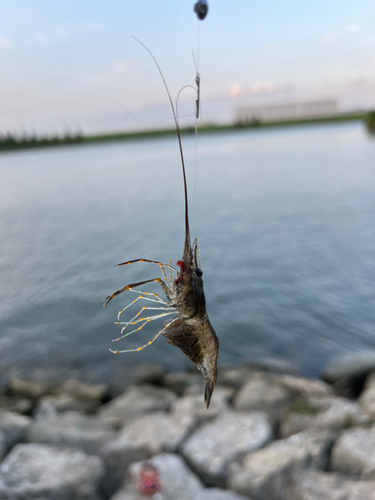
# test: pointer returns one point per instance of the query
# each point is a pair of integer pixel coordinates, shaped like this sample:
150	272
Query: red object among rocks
149	481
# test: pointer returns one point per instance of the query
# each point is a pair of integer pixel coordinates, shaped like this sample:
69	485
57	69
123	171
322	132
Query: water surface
285	221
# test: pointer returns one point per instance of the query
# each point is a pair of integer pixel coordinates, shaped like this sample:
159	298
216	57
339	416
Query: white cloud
117	70
40	37
259	89
88	27
60	30
329	37
5	43
352	28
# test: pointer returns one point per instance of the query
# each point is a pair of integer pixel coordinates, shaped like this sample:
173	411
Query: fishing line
201	10
197	118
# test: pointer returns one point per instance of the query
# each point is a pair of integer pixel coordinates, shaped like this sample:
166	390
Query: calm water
286	224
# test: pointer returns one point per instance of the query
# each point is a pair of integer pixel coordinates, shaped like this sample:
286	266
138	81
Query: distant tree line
9	141
370	122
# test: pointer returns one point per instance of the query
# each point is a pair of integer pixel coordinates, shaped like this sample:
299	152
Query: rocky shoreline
269	434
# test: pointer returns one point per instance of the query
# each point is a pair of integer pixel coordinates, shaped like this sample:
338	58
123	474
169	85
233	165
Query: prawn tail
210	384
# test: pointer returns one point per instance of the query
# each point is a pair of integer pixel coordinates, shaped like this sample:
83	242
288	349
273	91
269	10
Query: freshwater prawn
190	328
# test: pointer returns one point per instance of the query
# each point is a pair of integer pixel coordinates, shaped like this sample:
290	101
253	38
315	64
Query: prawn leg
144	320
133	285
149	342
162	266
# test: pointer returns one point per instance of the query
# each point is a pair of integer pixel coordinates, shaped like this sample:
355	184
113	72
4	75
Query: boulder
219	494
262	394
3	448
136	401
235	377
367	398
354	453
82	391
16	404
142	373
13	429
178	382
35	472
148	435
49	406
195	407
266	473
303	387
275	365
26	389
316	485
175	479
214	445
347	372
71	429
322	413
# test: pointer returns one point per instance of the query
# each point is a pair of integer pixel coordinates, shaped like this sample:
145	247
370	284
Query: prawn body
190	329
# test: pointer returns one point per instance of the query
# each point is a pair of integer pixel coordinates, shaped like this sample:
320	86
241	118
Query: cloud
329	37
40	38
117	70
236	90
60	30
88	27
352	28
5	43
332	36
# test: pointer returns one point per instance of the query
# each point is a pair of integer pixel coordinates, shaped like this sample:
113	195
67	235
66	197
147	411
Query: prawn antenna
149	123
187	229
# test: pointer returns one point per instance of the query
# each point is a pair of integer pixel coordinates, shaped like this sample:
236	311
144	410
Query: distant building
289	111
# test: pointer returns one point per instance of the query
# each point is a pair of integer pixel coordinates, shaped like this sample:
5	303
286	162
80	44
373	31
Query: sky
67	65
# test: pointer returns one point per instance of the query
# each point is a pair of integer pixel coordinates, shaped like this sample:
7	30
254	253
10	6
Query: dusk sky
66	65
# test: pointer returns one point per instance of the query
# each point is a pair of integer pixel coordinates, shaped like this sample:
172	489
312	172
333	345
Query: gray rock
314	485
219	494
367	398
303	387
143	373
82	391
13	429
219	392
322	413
347	372
235	377
266	473
16	404
3	448
136	401
349	365
26	389
49	406
194	406
71	429
33	471
262	394
72	395
354	453
275	365
214	445
146	436
180	381
177	481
